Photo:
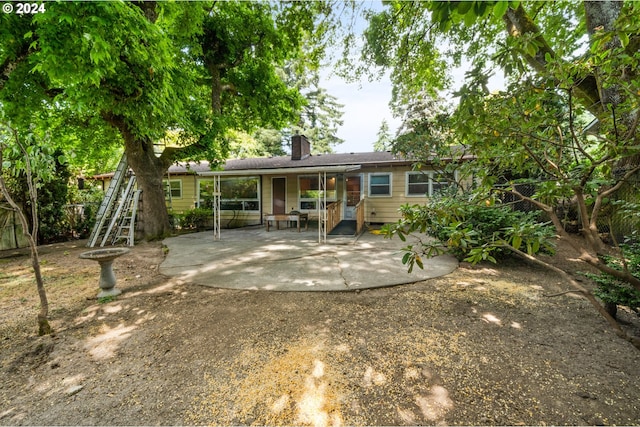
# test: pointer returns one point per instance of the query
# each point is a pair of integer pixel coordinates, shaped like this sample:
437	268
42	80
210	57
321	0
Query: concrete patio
286	260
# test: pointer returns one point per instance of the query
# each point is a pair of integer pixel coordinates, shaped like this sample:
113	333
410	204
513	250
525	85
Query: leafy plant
82	209
106	300
613	291
472	232
195	218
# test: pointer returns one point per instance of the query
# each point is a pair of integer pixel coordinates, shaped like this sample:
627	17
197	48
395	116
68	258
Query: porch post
216	207
322	207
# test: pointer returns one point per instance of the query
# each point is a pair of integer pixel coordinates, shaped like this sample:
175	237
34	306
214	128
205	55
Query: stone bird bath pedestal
105	258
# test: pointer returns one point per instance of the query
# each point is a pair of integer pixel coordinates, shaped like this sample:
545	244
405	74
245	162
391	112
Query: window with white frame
420	184
309	191
172	189
236	194
417	184
380	185
439	183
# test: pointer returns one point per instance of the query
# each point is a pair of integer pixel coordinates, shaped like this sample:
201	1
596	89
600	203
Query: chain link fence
611	219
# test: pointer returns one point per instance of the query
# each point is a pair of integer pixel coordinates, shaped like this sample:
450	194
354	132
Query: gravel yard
483	345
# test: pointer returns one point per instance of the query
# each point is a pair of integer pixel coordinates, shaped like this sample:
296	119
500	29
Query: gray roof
382	158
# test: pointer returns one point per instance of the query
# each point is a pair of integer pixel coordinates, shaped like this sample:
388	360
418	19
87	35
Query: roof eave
282	171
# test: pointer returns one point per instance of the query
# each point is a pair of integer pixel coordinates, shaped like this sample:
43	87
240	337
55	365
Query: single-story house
245	191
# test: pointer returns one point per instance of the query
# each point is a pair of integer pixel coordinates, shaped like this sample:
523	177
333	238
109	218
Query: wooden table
287	217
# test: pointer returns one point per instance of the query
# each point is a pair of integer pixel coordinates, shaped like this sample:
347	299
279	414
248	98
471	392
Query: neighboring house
377	182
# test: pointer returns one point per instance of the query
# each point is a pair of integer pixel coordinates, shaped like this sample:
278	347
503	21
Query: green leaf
464	7
500	8
624	38
470	18
406	257
536	246
531	49
516	242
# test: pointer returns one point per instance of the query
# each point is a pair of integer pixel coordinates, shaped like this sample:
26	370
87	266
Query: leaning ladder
121	211
106	207
126	227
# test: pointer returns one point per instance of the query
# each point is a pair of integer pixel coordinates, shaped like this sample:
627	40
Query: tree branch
581	289
9	65
519	23
148	8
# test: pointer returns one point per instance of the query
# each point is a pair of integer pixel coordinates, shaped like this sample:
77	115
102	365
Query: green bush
81	221
614	292
195	218
471	231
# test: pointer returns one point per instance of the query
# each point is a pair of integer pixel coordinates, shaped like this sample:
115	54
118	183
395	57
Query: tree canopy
566	122
143	69
565	64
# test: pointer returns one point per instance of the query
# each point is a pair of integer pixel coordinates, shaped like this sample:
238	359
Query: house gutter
282	171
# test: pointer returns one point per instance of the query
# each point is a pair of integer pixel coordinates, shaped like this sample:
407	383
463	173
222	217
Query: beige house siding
378	208
385	209
188	197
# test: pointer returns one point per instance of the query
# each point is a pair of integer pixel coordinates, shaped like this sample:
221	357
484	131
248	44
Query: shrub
81	220
612	291
471	231
195	218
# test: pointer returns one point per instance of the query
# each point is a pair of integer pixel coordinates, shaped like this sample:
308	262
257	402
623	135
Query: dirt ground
483	345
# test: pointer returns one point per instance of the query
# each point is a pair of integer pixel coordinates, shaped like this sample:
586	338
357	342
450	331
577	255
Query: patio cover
322	172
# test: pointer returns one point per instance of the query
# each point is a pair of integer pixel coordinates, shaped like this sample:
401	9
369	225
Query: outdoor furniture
297	217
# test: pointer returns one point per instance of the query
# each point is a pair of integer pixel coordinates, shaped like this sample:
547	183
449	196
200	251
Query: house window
309	191
420	184
236	194
417	184
206	190
380	185
172	189
439	183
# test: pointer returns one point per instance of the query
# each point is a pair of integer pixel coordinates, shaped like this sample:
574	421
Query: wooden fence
333	215
11	236
360	216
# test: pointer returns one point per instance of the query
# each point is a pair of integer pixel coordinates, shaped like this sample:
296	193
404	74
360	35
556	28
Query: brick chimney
300	147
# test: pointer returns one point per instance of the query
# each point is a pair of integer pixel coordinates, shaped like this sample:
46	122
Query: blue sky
366	105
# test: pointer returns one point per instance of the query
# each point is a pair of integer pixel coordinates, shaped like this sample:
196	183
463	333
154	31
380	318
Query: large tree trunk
149	170
149	173
518	24
601	15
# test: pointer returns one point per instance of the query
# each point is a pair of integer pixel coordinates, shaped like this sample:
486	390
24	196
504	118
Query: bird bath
107	278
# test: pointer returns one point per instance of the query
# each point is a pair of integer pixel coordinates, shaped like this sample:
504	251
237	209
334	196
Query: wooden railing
333	215
359	217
